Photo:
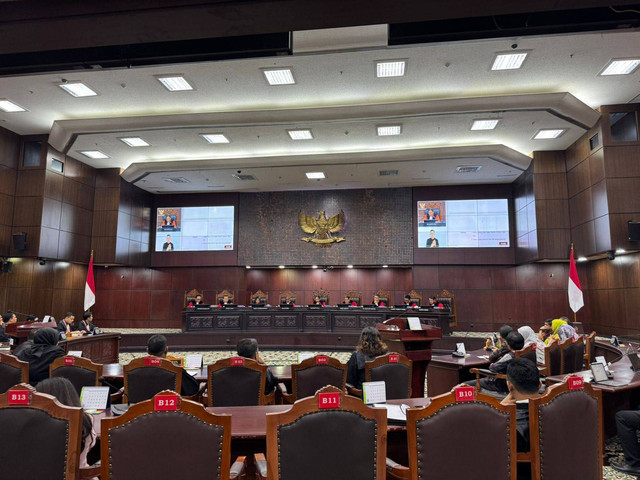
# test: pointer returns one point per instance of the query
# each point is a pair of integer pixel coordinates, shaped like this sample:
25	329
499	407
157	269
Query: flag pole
575	315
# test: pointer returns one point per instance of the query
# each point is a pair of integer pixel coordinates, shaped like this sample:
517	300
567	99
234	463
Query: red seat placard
575	383
465	394
166	402
329	400
69	361
321	360
393	358
19	397
152	361
237	361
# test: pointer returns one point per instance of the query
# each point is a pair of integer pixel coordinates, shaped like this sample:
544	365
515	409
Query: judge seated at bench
66	326
377	302
225	301
157	347
408	302
248	348
348	301
196	301
433	303
318	301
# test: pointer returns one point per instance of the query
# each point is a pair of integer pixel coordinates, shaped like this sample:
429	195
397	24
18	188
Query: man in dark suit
6	319
66	326
86	325
157	347
248	348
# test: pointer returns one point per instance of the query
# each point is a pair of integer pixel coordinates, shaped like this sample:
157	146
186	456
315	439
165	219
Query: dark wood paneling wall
525	218
9	155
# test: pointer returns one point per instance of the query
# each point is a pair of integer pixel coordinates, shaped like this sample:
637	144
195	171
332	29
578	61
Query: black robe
41	354
355	368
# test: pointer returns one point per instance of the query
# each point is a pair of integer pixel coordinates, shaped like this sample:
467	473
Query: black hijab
42	354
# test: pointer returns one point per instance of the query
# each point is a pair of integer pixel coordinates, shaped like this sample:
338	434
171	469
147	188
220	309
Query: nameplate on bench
19	397
465	394
237	361
575	383
166	402
152	362
329	400
321	360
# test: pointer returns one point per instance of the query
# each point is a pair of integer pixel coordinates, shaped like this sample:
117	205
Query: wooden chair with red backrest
81	372
566	433
482	428
145	377
197	444
394	370
237	381
304	442
12	372
310	375
42	437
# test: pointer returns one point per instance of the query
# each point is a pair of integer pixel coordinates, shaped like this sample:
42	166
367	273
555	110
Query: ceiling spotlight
390	68
77	89
279	76
386	130
549	133
488	124
620	251
300	134
281	266
10	107
248	267
349	266
508	61
175	83
385	266
621	67
581	259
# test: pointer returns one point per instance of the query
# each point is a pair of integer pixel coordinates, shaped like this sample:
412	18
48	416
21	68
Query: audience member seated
66	326
369	347
530	337
628	424
317	301
6	319
558	330
248	348
408	303
515	342
523	381
501	350
157	347
377	302
86	325
25	345
195	301
41	354
66	394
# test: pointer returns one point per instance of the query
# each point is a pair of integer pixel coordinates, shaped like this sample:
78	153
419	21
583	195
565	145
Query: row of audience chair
301	442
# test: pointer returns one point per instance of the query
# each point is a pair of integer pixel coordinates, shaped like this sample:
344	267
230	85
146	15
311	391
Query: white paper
47	319
94	398
74	353
374	392
395	412
460	348
193	360
193	371
601	359
414	323
302	356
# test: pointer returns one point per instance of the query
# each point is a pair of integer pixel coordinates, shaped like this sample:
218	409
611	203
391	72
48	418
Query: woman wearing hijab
369	347
531	337
561	331
42	354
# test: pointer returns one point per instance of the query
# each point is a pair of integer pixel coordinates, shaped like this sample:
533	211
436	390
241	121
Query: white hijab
528	334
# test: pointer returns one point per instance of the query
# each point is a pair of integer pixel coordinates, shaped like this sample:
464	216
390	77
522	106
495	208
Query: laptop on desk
635	361
600	376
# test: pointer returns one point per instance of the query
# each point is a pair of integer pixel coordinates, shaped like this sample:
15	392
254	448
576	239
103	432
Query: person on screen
377	302
167	246
169	222
432	241
317	301
195	301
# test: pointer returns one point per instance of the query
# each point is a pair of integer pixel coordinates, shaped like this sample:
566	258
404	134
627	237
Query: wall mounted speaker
634	231
20	241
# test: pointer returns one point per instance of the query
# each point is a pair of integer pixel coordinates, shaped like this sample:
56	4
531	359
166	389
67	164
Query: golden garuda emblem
322	228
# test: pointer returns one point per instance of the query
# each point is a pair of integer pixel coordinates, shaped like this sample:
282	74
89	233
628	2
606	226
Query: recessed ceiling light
349	266
215	137
508	61
134	142
582	259
384	130
620	251
390	68
280	266
279	76
549	133
94	154
77	89
175	83
488	124
248	267
385	266
314	266
624	66
300	134
10	107
315	175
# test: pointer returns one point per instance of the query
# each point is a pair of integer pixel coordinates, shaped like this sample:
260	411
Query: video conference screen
463	223
189	229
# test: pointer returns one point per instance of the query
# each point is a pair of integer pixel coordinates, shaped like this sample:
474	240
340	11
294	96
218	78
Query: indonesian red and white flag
89	287
576	301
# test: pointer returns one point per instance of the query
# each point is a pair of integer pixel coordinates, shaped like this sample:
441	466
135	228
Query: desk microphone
116	409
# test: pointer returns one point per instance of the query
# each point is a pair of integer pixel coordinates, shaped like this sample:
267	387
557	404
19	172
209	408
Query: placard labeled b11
329	400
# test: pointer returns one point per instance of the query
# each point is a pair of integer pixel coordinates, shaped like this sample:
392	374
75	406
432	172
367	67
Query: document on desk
193	360
395	413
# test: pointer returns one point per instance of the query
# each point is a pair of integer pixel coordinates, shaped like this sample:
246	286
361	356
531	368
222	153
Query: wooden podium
414	344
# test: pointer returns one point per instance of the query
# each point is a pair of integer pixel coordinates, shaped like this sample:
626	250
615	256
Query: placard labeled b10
465	394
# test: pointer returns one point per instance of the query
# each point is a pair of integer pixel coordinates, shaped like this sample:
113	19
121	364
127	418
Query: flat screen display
189	229
463	223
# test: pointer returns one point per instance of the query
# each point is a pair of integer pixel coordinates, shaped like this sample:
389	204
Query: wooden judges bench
302	319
